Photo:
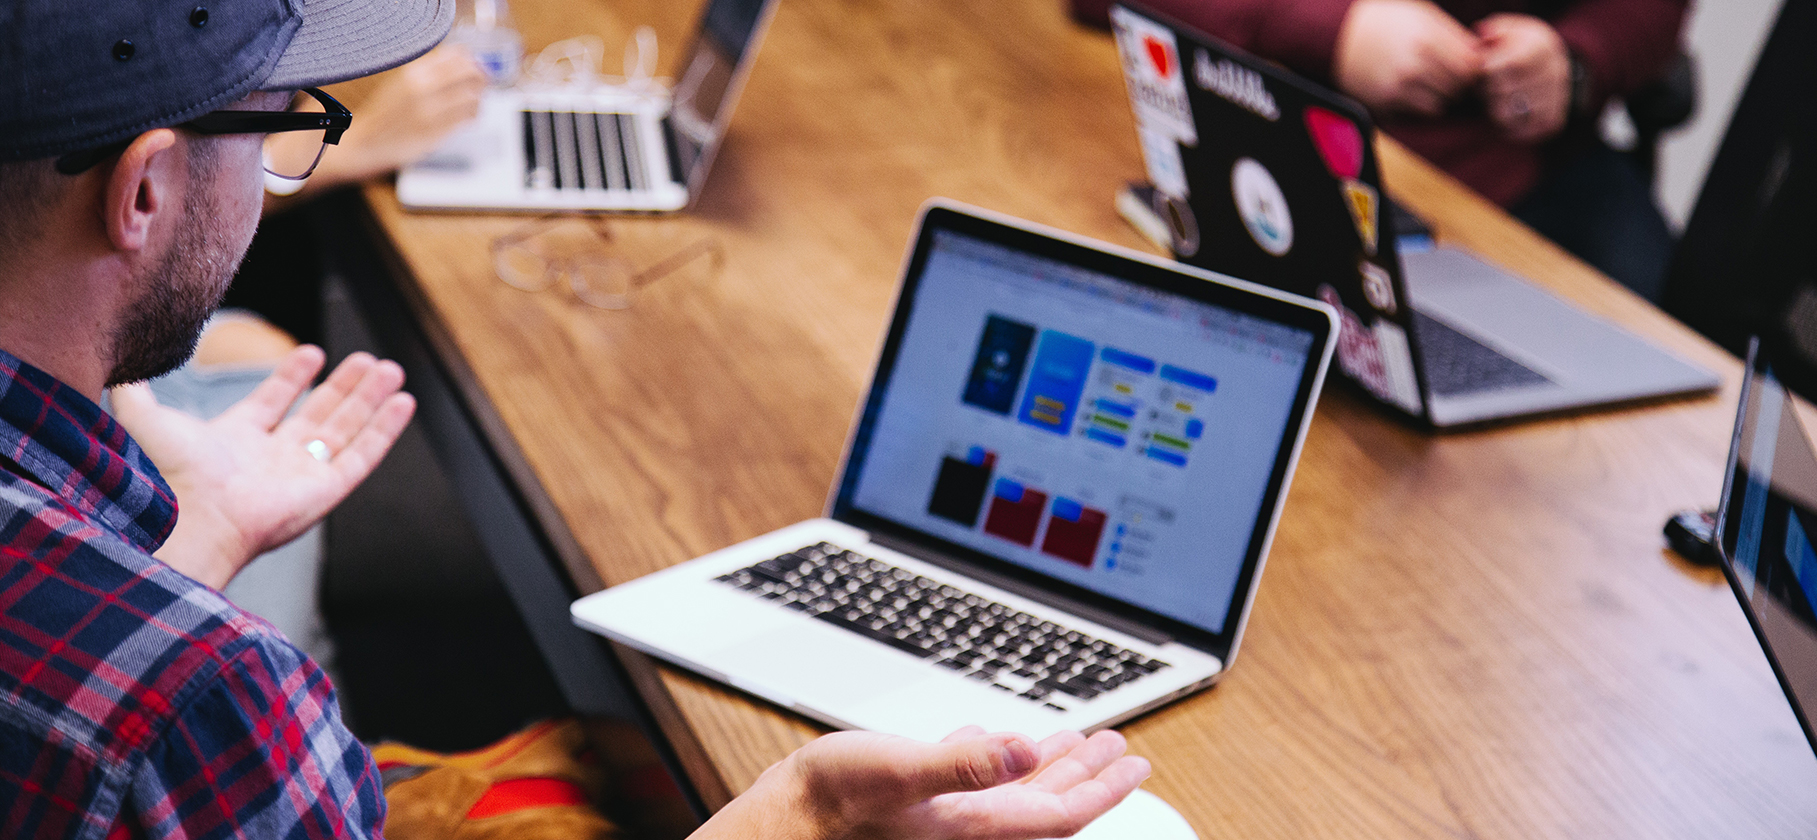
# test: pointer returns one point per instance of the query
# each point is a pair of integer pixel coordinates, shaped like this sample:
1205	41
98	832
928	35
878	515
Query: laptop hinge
1022	588
673	148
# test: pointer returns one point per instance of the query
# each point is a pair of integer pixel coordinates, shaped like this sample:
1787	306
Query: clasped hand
246	481
1411	56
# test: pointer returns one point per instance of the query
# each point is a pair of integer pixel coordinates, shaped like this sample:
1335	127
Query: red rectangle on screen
1015	512
1073	532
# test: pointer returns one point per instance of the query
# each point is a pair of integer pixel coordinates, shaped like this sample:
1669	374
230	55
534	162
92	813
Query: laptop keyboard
1037	660
568	150
1457	364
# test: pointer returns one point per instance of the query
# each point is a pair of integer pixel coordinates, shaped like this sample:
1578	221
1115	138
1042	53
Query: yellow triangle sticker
1364	204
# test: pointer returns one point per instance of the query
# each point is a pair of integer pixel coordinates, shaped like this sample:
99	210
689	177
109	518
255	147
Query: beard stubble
159	332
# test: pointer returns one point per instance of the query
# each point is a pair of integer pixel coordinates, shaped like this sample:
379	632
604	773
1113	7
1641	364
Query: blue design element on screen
1166	456
1123	410
997	368
1102	436
1008	490
976	455
1067	509
1189	378
1195	428
1056	381
1139	364
1798	554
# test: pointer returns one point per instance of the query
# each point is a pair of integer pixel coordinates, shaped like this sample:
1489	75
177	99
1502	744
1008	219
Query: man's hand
1526	76
246	481
1400	56
971	785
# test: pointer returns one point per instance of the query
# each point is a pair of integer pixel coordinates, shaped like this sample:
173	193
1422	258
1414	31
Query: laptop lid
1768	527
1272	178
1094	423
711	78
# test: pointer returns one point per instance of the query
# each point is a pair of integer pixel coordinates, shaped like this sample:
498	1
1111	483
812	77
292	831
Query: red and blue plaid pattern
134	701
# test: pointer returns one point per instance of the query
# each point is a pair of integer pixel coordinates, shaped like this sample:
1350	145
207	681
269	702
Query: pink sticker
1337	140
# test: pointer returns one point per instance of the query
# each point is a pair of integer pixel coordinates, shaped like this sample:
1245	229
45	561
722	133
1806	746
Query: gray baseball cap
79	74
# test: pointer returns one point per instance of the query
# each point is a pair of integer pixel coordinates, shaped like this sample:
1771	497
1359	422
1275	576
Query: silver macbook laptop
602	149
1262	174
1053	509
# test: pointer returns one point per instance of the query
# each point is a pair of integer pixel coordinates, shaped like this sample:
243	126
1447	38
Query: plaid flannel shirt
134	701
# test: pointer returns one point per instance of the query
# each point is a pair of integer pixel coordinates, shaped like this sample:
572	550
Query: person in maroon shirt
1503	94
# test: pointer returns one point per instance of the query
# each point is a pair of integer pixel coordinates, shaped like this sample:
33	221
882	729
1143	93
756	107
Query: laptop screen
705	90
1769	527
1117	437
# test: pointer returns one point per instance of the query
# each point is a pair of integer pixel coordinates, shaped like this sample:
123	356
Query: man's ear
145	181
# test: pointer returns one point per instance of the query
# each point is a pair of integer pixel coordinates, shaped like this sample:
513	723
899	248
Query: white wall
1723	37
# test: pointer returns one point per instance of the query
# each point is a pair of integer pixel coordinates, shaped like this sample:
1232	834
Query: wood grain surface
1470	635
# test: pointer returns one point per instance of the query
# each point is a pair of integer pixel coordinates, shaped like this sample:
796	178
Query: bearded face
159	332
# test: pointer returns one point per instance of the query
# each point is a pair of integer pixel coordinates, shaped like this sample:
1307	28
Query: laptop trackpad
818	665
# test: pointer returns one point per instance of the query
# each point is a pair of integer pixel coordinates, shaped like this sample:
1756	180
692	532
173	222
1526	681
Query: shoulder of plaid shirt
134	701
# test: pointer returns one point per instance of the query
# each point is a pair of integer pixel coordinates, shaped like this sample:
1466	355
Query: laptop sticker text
1239	85
1157	82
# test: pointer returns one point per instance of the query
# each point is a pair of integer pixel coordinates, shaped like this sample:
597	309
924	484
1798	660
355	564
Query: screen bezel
1182	281
1728	514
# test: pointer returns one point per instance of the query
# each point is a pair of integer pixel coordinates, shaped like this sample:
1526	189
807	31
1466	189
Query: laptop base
1578	360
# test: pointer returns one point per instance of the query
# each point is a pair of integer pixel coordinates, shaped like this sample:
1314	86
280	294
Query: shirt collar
63	441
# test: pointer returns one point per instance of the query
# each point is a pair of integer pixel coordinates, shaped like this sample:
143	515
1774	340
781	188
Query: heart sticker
1338	141
1160	56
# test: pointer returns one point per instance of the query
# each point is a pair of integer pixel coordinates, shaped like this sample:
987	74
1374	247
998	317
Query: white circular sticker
1378	287
1262	206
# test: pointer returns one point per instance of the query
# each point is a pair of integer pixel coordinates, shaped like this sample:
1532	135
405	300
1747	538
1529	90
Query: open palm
246	481
883	782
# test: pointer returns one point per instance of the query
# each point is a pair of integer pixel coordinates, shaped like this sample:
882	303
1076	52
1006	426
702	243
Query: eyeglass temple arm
336	117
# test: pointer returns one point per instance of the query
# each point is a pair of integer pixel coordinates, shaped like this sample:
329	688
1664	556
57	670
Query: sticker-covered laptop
1264	175
1054	505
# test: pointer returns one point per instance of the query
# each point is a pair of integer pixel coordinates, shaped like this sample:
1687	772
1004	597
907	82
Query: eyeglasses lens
602	281
294	154
522	266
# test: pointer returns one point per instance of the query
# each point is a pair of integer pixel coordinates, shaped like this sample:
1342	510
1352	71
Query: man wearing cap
136	701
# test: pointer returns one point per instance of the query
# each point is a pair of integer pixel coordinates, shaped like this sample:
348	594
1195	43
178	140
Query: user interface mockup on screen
1769	523
1100	432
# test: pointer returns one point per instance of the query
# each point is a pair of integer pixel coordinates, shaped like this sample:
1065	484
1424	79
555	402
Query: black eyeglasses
330	122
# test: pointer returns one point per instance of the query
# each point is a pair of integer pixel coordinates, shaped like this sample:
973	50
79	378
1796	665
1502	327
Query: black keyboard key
1080	688
904	645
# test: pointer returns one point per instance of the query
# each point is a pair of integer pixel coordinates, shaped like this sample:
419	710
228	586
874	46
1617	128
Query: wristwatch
1580	84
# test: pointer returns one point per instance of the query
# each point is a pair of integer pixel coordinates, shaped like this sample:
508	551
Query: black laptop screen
704	89
1769	526
1096	431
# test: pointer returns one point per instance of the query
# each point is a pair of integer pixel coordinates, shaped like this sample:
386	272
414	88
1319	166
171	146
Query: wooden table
1469	635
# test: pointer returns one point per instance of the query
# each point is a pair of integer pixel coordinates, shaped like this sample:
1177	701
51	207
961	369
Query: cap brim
347	39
